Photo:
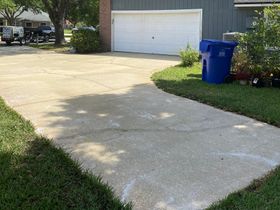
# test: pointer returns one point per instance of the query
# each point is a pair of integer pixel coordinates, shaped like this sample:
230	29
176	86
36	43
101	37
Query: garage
156	32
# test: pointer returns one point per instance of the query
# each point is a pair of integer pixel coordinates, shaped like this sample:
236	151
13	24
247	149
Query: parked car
84	28
13	34
43	33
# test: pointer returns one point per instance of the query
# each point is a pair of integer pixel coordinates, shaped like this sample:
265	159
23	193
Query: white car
13	33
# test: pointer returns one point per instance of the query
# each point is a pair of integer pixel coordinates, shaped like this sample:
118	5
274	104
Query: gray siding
219	16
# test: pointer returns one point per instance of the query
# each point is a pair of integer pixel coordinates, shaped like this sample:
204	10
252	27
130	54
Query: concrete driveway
157	150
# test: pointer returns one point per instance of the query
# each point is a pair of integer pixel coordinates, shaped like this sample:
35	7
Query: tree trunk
59	32
10	21
57	10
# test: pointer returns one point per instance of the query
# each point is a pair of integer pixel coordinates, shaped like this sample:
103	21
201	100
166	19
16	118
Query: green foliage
91	12
12	9
85	12
259	49
241	62
189	56
5	3
85	41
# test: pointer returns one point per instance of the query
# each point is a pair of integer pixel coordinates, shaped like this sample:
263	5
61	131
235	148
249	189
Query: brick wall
105	24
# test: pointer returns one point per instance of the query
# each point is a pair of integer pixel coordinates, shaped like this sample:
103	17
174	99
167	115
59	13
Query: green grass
67	31
262	104
50	46
261	194
36	175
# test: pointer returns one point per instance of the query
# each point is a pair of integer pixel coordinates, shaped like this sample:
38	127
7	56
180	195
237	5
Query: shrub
85	41
189	56
260	48
241	62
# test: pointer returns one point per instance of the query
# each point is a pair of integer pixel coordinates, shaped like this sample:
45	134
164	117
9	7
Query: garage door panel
164	33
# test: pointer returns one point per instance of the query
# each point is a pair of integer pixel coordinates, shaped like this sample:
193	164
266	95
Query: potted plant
261	77
267	81
259	51
243	77
276	79
272	29
276	82
276	70
241	66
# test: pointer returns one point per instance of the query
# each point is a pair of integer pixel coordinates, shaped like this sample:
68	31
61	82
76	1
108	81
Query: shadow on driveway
152	146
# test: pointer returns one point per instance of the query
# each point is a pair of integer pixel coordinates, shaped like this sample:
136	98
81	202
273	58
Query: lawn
36	175
67	33
261	194
50	46
262	104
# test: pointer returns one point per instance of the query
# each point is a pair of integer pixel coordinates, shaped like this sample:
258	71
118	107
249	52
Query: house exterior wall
105	24
2	22
219	16
34	24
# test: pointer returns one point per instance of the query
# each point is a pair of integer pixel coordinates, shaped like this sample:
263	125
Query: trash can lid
205	43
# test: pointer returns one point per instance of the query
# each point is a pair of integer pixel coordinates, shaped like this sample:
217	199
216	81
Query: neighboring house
166	26
30	19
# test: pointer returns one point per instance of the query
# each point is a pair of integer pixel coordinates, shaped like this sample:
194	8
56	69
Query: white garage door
159	32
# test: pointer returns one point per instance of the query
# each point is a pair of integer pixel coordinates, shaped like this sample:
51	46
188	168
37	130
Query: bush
241	62
85	41
259	49
189	56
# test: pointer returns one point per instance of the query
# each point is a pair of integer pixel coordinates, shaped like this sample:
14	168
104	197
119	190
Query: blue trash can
216	60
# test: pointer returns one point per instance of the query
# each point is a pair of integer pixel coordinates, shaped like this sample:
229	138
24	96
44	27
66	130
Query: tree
74	12
85	11
90	11
12	9
57	11
81	10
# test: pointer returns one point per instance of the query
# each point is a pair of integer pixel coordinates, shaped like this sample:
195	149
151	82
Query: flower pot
257	82
242	76
266	82
276	82
243	82
229	79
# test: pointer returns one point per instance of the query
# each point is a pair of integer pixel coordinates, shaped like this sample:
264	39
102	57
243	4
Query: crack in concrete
76	77
122	131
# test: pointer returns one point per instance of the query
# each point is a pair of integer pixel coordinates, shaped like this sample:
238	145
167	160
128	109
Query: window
1	22
28	25
43	24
